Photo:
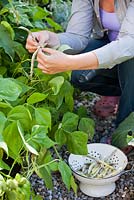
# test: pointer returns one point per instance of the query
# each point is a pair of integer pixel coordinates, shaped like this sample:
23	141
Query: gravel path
124	186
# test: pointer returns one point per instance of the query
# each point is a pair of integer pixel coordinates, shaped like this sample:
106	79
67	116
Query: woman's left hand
51	61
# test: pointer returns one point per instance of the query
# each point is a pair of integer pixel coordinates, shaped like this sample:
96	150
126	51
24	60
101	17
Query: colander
98	187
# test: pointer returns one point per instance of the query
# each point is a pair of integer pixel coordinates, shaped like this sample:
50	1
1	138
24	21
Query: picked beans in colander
98	168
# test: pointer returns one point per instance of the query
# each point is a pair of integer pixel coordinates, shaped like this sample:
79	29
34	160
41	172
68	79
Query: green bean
98	168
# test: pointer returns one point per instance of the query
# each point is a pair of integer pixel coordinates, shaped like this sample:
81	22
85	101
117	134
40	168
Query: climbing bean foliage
37	116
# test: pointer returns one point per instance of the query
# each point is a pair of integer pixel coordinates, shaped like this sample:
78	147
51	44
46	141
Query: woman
103	30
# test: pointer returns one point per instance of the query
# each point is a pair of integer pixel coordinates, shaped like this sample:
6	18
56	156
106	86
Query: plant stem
30	172
15	161
57	153
39	167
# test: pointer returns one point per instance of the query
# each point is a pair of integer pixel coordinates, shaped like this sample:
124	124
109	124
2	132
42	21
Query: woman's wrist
83	61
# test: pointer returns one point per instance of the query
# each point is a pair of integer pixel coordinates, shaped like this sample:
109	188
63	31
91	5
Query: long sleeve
79	26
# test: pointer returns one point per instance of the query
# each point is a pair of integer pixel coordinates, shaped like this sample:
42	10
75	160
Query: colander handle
129	170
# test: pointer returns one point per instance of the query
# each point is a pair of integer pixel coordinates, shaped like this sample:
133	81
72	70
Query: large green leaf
9	90
6	41
77	142
67	92
88	126
13	140
39	13
65	173
119	137
53	24
22	114
70	122
9	28
36	97
11	47
43	117
22	81
56	84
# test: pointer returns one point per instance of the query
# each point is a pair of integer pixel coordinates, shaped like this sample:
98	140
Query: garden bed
124	186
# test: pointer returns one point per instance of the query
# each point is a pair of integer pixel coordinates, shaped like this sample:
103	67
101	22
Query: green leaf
60	137
3	165
22	81
43	117
74	185
45	174
53	24
24	20
69	101
56	84
9	28
88	126
82	112
39	13
3	10
13	140
20	50
39	136
65	173
64	47
70	122
5	105
6	42
3	70
22	114
44	156
9	90
53	166
21	132
119	137
36	97
67	91
3	121
77	142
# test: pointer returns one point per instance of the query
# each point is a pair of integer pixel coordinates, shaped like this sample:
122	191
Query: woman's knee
126	72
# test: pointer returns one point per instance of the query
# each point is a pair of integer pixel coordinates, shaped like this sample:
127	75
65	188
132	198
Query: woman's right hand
41	38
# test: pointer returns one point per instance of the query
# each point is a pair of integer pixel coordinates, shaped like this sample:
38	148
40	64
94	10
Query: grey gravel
124	186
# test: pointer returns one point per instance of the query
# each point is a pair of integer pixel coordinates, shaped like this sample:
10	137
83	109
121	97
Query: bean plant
37	116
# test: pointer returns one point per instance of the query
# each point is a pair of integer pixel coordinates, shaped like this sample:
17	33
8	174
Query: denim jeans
118	81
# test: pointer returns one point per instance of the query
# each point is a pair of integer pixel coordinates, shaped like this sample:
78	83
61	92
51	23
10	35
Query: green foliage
121	137
36	116
15	189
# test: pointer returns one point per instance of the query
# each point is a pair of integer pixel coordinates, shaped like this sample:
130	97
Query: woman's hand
51	61
41	38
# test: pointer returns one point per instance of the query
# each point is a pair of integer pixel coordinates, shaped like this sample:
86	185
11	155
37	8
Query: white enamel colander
98	187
